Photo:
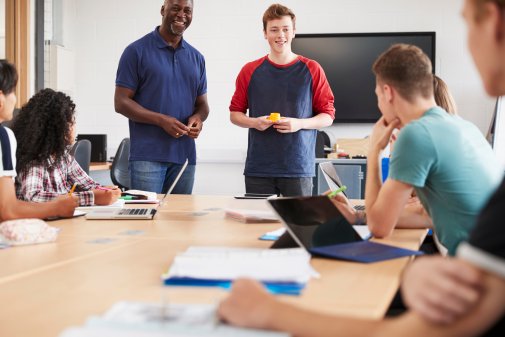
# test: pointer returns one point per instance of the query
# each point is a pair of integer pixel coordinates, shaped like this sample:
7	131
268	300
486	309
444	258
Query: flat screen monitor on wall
347	61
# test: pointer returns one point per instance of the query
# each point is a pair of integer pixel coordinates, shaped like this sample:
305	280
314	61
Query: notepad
134	319
251	215
282	271
117	205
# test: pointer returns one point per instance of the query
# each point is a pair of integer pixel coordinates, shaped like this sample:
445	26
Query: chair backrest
81	150
322	140
119	173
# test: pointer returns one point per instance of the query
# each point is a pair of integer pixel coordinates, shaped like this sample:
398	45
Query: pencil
72	189
334	193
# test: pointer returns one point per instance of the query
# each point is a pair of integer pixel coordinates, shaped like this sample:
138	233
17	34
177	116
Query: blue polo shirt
167	81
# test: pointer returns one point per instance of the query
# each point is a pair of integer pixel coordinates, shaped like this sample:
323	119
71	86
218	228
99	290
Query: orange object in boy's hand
275	116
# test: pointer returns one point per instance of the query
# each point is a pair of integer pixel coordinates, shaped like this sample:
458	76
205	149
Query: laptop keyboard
359	207
134	211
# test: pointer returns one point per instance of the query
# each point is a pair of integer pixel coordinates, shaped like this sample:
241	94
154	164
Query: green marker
334	193
126	197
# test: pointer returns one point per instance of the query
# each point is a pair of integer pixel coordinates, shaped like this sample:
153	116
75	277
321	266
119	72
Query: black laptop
315	224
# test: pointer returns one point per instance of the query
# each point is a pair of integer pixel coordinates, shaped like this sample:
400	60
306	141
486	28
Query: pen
72	189
334	193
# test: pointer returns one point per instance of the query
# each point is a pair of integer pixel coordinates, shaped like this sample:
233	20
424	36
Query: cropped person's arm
249	305
125	105
287	125
241	119
413	219
475	322
12	208
384	203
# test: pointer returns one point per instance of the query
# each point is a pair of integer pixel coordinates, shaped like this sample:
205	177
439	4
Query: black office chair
322	140
81	150
119	173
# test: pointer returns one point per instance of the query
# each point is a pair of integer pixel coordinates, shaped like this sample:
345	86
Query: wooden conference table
94	264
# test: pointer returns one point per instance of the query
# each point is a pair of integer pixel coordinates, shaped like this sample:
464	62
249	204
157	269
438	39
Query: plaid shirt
40	184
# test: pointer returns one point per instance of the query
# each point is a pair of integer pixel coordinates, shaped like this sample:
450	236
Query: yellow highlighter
275	116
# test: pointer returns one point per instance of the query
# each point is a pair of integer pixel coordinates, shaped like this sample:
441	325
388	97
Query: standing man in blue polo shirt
161	86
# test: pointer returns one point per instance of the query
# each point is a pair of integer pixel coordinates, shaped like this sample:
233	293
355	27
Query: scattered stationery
283	271
139	197
136	319
362	231
273	235
250	215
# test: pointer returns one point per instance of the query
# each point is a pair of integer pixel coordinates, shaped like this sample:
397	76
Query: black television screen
347	61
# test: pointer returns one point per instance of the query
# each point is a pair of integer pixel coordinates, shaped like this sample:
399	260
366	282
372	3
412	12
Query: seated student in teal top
443	157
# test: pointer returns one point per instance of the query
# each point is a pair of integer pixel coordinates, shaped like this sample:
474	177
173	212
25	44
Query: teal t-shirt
452	168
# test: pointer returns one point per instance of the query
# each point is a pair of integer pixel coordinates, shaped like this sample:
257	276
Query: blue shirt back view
165	80
452	168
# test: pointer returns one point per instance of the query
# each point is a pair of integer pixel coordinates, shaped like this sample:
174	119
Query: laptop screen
314	221
175	182
330	175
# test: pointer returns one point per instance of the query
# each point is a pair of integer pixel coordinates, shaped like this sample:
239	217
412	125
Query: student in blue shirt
161	86
440	156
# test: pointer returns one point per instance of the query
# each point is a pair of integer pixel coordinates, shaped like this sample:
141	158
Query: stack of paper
251	216
131	319
284	271
118	204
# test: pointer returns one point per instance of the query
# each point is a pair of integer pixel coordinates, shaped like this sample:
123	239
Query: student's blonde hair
277	11
443	96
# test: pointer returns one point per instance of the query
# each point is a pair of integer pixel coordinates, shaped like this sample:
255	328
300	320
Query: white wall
229	34
2	29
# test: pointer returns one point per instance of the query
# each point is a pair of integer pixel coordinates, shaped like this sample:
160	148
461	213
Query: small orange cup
275	117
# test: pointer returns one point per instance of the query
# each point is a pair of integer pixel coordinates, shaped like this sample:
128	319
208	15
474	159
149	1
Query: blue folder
284	288
363	251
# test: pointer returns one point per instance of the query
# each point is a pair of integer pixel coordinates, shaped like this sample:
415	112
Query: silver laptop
133	213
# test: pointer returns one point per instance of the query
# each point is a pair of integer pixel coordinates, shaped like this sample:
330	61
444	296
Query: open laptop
333	180
315	224
133	213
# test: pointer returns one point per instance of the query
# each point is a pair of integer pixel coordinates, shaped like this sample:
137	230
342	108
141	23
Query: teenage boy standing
281	154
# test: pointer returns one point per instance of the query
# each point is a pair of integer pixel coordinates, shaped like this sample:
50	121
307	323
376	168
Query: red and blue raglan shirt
298	90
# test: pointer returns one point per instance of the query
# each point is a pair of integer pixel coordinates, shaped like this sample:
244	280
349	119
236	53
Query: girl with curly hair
45	129
10	207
